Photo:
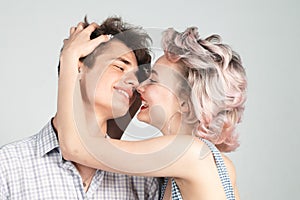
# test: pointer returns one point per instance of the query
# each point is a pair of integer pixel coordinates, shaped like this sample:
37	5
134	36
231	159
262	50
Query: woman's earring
170	121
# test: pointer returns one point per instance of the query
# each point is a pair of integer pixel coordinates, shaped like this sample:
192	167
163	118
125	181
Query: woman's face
159	94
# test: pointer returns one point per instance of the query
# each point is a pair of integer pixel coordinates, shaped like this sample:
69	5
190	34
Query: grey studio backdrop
265	33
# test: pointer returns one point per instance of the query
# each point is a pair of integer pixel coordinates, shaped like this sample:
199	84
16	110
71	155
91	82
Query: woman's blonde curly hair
215	81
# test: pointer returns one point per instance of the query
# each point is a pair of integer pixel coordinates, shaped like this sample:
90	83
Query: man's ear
80	68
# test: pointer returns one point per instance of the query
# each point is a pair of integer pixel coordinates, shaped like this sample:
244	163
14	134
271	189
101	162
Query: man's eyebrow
124	60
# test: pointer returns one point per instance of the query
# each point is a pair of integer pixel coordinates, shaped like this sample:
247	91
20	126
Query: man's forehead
118	51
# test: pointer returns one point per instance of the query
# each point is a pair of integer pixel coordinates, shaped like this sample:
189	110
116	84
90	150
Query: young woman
195	95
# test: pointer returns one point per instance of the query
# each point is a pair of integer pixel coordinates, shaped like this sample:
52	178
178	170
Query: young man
34	168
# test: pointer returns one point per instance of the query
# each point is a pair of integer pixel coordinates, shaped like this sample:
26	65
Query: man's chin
120	111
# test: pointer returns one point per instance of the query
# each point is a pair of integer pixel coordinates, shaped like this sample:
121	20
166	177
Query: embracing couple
194	94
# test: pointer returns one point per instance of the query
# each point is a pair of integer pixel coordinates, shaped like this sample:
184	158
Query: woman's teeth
144	104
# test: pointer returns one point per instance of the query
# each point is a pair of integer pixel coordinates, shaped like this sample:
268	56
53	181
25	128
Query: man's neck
95	122
86	173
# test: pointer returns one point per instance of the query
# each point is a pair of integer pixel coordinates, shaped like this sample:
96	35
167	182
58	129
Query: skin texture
196	177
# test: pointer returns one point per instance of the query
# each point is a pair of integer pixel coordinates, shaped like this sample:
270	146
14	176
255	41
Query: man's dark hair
133	37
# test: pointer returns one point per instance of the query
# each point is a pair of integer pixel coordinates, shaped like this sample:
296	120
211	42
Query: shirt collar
47	140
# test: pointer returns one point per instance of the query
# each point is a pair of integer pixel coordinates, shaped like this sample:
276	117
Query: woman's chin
142	118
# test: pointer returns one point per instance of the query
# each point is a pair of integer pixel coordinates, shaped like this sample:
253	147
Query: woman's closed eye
153	77
152	80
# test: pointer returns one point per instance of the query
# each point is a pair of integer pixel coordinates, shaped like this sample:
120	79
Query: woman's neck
177	126
182	129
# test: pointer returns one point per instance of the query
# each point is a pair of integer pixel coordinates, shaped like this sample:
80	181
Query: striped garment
222	171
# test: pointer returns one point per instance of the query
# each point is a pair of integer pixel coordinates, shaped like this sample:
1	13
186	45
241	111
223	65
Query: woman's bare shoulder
230	168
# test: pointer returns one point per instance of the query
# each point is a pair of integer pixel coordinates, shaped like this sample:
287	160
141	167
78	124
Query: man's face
107	86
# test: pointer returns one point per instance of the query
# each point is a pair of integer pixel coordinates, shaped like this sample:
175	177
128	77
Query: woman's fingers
80	27
79	41
97	41
72	30
92	44
91	28
65	40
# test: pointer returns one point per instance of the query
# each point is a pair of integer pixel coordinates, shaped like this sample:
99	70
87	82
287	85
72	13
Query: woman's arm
163	156
78	45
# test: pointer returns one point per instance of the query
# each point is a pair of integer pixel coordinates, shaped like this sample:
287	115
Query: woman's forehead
164	66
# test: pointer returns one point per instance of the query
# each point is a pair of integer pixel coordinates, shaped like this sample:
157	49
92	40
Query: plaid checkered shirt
33	168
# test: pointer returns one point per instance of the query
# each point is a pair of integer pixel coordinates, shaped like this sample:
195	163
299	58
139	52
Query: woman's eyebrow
154	72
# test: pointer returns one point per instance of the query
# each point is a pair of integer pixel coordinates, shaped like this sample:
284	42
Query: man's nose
131	79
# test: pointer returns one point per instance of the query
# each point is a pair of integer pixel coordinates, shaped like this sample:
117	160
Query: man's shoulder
27	147
18	148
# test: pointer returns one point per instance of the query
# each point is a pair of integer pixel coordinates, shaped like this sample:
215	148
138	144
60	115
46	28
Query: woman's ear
184	107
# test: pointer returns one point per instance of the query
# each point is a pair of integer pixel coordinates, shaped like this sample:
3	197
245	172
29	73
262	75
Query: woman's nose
141	88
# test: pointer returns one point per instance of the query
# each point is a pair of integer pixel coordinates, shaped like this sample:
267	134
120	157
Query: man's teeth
124	93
